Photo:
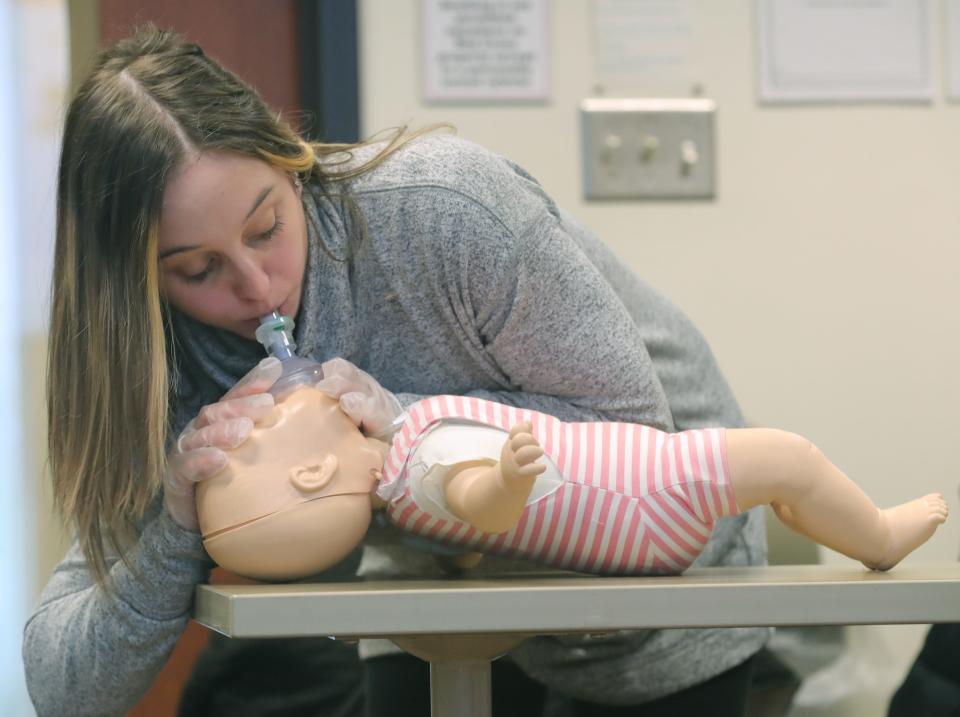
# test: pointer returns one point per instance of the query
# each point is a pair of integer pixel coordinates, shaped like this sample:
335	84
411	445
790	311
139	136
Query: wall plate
648	148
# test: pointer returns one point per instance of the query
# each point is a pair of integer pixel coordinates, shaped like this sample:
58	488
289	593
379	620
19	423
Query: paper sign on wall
845	50
645	47
485	50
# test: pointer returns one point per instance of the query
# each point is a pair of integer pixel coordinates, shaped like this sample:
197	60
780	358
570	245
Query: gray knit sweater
470	281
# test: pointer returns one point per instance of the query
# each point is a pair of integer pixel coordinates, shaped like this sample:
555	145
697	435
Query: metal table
460	624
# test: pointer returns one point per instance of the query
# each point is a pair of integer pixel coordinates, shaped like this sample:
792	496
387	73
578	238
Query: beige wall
834	232
51	537
44	71
84	19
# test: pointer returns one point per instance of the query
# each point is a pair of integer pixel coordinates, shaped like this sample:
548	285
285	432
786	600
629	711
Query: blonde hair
150	101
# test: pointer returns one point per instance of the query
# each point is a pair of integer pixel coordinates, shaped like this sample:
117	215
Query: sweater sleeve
94	651
549	327
551	331
554	326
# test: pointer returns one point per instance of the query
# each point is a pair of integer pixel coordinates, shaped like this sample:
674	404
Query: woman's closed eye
199	277
202	275
271	232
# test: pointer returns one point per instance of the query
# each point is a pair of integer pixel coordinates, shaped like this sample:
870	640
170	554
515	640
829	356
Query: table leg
460	688
459	669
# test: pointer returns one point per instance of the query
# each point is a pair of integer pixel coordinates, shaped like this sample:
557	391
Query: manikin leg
814	497
807	492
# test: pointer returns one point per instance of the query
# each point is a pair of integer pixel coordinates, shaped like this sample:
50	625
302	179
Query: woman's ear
313	478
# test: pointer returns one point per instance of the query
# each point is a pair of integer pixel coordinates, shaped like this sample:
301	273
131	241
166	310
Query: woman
186	211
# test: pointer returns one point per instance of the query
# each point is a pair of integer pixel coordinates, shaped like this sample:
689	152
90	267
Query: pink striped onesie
617	498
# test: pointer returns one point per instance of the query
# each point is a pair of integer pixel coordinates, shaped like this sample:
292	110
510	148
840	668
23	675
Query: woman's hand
218	427
372	407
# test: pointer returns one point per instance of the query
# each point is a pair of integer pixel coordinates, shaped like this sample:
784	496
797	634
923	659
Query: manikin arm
492	497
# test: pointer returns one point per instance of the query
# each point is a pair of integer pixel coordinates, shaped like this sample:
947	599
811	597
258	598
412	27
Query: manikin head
295	497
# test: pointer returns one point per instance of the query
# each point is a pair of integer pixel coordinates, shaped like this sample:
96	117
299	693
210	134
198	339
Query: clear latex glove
220	426
375	410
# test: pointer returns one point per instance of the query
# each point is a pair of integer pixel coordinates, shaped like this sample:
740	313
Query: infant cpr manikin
264	519
296	497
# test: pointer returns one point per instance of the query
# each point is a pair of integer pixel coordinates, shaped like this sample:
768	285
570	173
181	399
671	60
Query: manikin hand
372	407
515	475
518	458
492	497
223	425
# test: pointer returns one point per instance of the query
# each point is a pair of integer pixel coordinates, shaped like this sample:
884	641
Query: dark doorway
300	55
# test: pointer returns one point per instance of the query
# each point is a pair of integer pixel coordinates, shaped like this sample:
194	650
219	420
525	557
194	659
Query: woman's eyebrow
175	250
258	201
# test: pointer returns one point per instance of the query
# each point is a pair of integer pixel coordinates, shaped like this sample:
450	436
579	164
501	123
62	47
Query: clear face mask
275	334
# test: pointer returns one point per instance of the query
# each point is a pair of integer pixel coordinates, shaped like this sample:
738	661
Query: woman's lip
259	317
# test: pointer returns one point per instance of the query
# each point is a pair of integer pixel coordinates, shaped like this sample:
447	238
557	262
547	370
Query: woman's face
233	241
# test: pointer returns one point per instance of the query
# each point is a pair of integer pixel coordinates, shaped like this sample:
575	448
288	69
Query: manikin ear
315	477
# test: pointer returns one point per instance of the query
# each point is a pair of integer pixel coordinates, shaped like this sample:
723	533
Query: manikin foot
911	525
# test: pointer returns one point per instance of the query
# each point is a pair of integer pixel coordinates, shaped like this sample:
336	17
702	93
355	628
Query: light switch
648	148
